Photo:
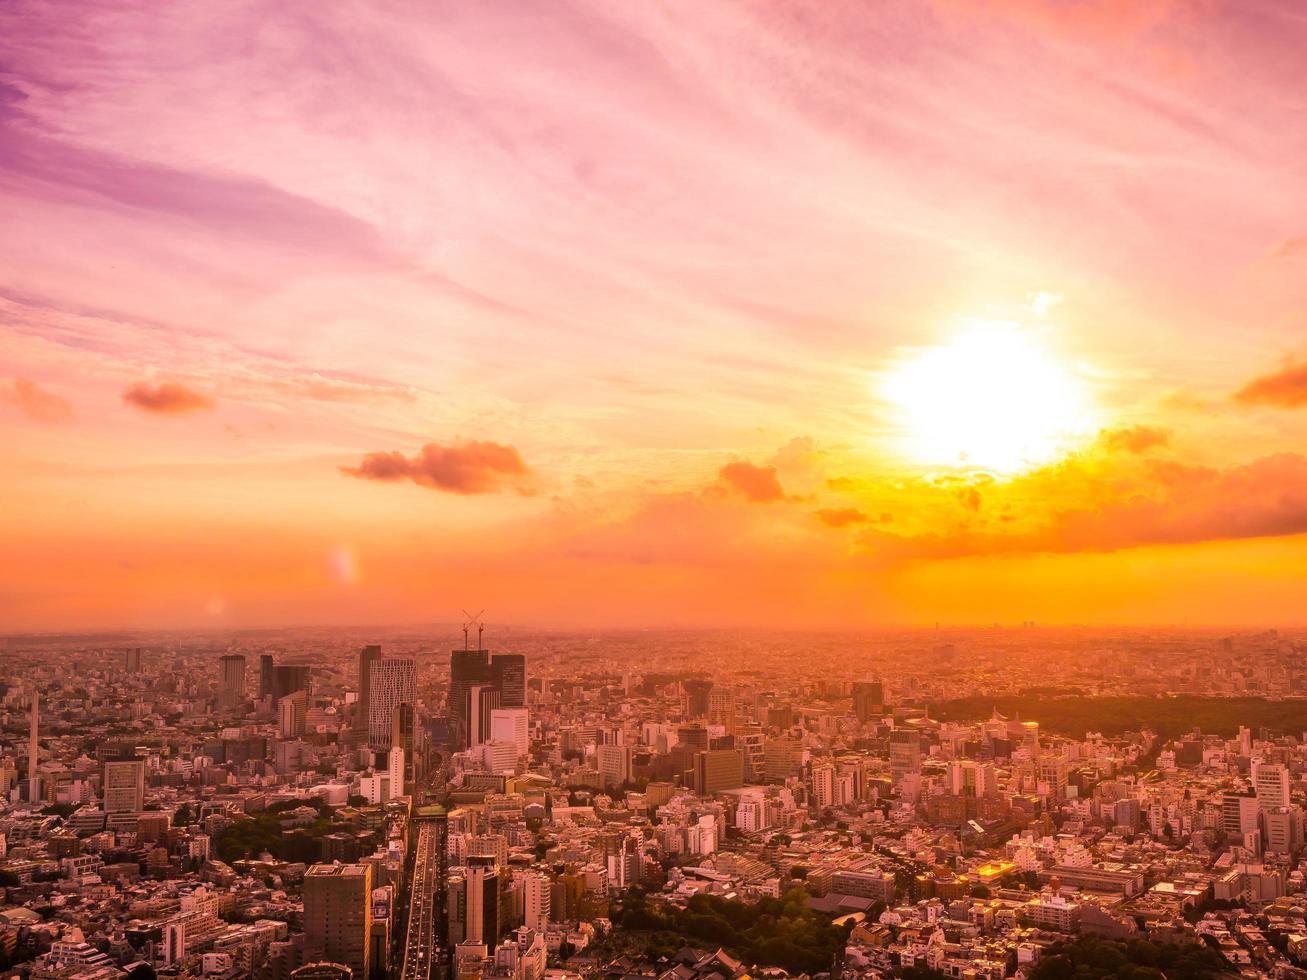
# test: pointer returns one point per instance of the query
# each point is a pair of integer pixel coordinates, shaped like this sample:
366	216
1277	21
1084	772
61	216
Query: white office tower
392	681
538	900
124	786
395	764
499	757
510	725
1271	783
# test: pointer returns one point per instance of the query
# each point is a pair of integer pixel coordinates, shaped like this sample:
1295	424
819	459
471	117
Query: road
424	945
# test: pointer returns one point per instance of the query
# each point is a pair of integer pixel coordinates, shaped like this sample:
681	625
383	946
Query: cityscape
653	489
646	804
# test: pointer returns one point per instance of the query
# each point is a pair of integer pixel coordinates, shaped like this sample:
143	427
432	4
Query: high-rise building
1271	784
904	753
338	915
392	681
232	690
482	908
508	675
132	660
868	700
537	891
467	669
368	655
292	714
718	769
613	763
510	725
34	751
267	673
289	678
124	786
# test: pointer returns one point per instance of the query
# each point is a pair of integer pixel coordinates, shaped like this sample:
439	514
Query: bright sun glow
992	398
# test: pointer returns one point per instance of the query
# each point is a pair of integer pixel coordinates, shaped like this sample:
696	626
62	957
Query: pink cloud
468	468
168	398
36	402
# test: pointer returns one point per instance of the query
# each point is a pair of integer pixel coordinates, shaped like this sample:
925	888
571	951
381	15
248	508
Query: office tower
292	713
508	675
782	758
289	678
613	763
267	668
34	752
1271	784
696	694
132	660
467	668
455	908
232	690
174	941
483	699
482	902
404	735
538	890
693	737
392	681
395	770
1053	771
823	785
367	656
124	786
510	725
904	753
718	769
868	700
338	915
1239	814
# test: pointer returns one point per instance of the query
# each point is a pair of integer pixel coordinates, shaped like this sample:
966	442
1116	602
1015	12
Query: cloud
1175	504
468	468
168	398
1291	248
1286	388
757	483
841	516
1134	438
37	403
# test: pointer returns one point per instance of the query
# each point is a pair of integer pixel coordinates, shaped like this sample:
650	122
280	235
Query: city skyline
776	315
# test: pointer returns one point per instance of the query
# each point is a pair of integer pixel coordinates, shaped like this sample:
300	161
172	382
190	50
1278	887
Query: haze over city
741	314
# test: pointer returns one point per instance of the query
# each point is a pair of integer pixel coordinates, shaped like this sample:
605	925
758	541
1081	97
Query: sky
653	314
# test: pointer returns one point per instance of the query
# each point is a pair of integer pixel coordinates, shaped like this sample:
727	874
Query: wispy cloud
36	402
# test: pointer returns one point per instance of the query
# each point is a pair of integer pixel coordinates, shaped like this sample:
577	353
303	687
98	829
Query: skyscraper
124	786
338	914
482	909
392	681
868	700
362	715
267	668
508	675
232	690
467	668
34	751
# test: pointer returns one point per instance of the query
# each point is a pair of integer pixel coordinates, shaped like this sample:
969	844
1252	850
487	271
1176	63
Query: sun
992	398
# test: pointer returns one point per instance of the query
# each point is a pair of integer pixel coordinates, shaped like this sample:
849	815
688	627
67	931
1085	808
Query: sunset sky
606	313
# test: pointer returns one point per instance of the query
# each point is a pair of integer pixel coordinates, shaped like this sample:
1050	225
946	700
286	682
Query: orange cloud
1134	438
37	403
841	516
469	468
757	483
1283	389
168	398
1172	503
